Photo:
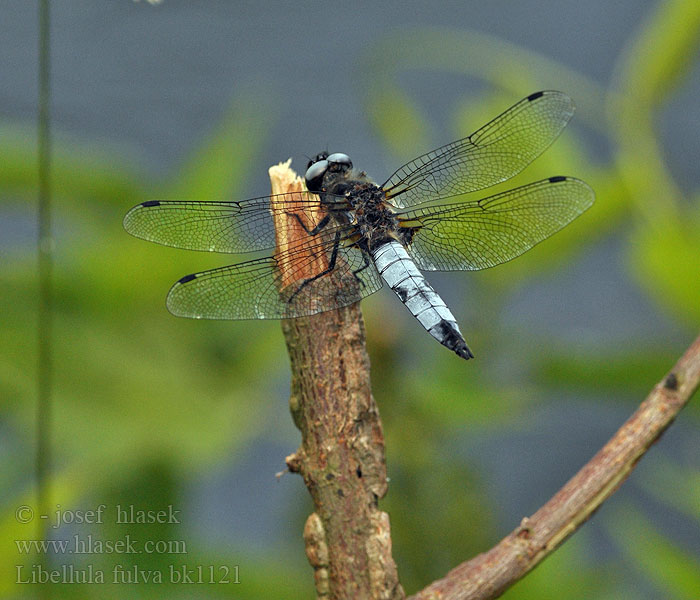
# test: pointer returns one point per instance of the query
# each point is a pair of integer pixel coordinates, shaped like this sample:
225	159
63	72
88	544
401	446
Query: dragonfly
349	235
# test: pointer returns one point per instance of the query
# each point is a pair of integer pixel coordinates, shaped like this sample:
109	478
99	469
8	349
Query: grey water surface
152	80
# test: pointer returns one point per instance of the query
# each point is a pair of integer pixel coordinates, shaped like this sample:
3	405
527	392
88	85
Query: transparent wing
228	227
477	235
293	283
494	153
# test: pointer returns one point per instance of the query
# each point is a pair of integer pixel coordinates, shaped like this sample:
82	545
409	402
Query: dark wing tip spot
534	96
557	179
151	203
187	278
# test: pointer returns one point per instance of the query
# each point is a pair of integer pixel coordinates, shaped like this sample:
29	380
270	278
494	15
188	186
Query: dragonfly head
337	163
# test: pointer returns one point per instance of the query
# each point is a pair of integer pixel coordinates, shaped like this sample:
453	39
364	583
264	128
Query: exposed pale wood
287	189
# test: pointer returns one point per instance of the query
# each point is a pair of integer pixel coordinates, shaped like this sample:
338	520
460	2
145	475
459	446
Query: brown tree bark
341	457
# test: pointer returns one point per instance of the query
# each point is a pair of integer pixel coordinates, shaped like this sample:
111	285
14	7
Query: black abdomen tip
452	339
464	352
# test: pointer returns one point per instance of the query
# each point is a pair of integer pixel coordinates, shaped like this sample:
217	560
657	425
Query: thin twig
490	574
45	264
341	457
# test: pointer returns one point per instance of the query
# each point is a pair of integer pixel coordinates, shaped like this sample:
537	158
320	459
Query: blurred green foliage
145	402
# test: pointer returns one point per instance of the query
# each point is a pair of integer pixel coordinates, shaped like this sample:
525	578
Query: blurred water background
195	100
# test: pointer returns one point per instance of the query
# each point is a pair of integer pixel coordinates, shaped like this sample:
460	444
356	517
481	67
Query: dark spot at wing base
557	179
534	96
402	293
187	278
150	203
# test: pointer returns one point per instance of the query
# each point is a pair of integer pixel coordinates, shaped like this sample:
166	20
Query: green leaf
663	52
674	571
683	480
665	259
633	371
398	122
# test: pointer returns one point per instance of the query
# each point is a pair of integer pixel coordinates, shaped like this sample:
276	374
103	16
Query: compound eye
343	160
314	175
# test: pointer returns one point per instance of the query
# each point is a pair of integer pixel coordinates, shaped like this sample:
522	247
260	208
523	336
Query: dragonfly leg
331	267
366	264
313	231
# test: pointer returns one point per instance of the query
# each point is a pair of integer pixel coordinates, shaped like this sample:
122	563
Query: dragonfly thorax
375	219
